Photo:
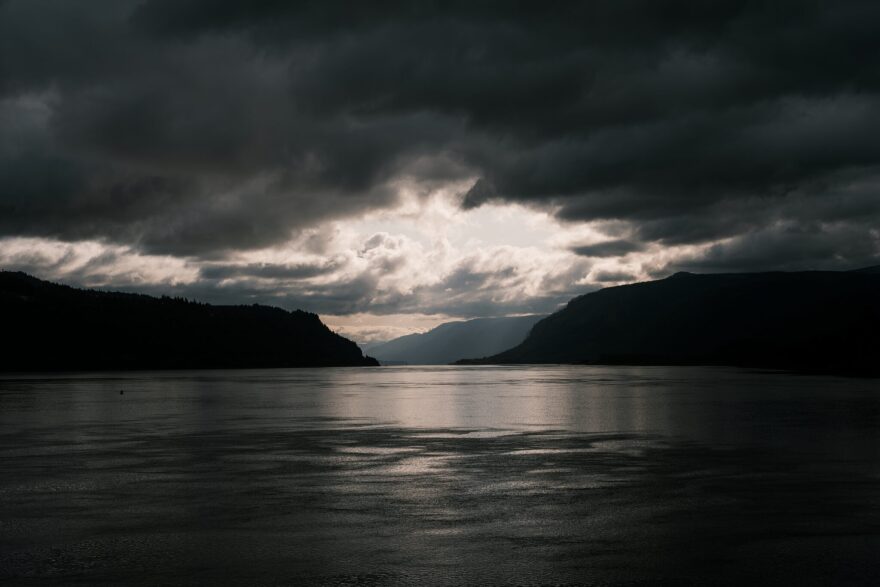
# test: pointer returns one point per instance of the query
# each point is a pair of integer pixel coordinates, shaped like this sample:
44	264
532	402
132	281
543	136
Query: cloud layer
741	135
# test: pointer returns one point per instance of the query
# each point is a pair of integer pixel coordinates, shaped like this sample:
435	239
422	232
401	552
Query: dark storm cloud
612	276
338	297
790	246
269	270
194	127
612	248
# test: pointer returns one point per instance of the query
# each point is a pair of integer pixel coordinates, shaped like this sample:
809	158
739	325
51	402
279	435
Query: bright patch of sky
388	273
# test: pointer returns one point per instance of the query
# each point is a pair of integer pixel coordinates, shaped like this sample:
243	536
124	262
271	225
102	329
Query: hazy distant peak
451	341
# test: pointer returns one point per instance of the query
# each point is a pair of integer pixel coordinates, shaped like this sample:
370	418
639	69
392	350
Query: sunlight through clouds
390	272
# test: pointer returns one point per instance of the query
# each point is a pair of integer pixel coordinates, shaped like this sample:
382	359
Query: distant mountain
55	327
821	321
454	340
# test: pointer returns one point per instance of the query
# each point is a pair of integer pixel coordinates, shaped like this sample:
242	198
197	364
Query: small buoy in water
121	392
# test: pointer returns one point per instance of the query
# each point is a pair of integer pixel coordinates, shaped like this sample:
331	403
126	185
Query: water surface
441	475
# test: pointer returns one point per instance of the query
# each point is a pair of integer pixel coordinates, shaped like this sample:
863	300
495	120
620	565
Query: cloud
612	276
610	248
717	136
267	270
94	264
182	121
355	273
789	246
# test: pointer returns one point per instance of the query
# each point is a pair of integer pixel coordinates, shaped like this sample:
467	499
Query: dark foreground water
451	475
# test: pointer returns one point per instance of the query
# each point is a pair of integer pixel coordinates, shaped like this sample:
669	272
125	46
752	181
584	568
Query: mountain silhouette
454	340
814	321
50	327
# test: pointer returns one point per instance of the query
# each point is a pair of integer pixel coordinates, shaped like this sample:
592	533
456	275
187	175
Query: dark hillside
54	327
820	321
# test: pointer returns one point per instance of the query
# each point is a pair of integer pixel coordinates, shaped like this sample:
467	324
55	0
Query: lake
440	475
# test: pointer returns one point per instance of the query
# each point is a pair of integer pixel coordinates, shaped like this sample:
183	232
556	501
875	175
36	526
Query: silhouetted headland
819	321
50	327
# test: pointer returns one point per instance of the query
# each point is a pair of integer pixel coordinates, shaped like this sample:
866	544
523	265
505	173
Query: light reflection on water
442	475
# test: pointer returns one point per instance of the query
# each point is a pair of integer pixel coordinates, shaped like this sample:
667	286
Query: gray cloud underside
465	293
611	248
194	127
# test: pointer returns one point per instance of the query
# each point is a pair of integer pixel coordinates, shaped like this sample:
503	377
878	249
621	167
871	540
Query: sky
394	165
